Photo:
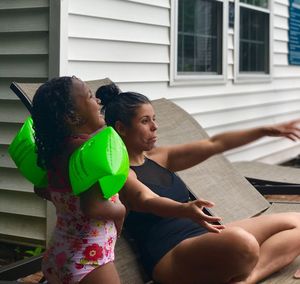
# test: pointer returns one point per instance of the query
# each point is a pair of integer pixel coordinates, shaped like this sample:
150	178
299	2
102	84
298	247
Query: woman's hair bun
107	93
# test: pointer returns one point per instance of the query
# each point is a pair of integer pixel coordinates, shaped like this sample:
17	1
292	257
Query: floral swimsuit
78	244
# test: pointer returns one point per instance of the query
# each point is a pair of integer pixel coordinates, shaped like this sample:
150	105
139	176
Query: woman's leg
278	237
211	258
106	274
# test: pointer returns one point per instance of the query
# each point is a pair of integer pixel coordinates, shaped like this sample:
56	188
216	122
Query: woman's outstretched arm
139	197
184	156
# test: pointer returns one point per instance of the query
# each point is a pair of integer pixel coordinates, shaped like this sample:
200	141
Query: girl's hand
195	212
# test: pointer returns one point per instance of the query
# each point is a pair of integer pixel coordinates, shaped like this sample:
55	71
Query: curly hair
52	105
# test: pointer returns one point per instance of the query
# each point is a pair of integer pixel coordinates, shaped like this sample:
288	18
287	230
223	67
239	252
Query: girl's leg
106	274
278	237
211	258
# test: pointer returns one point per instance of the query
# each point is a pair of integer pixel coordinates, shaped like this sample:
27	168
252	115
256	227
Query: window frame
251	77
198	79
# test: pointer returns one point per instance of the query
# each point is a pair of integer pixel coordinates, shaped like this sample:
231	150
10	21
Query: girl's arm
184	156
94	205
139	197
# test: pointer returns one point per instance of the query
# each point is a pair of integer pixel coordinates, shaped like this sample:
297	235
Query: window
254	39
198	45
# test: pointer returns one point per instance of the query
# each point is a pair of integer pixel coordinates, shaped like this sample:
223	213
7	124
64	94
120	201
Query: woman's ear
120	128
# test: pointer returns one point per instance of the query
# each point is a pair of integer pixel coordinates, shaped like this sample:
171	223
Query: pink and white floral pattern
78	244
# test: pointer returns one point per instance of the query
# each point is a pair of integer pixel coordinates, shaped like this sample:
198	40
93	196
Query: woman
174	248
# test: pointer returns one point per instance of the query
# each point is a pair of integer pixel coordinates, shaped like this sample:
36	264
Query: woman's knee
244	246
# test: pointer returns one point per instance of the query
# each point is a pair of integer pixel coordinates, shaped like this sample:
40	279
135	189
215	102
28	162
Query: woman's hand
289	130
194	210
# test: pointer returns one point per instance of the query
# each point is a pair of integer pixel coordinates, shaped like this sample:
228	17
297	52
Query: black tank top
155	235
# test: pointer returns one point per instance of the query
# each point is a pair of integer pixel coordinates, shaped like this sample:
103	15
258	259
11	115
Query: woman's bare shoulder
159	155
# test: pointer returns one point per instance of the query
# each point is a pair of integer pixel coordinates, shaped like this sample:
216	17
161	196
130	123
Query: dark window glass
254	41
258	3
199	36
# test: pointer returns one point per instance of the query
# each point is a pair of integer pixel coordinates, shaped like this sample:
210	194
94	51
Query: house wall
129	42
24	32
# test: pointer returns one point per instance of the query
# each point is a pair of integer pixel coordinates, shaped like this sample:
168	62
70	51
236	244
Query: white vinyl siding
24	37
129	42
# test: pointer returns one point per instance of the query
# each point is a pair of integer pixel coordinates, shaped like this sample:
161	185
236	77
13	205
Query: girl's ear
120	128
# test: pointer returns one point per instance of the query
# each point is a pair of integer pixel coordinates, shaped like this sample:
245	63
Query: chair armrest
21	268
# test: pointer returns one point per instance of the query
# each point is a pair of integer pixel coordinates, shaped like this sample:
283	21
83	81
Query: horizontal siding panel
255	122
121	72
5	159
283	2
213	118
13	111
113	51
122	11
280	47
22	203
230	59
230	73
287	72
280	59
22	226
281	35
11	179
94	28
158	3
24	4
24	43
24	66
260	151
279	87
7	94
8	132
281	10
230	42
23	20
238	100
281	22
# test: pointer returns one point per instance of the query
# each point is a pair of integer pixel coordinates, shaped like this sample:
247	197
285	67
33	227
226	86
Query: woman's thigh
265	226
209	258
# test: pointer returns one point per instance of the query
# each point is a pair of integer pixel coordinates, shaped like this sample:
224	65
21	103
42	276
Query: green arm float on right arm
104	159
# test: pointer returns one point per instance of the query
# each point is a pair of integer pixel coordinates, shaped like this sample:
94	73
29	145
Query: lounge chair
215	179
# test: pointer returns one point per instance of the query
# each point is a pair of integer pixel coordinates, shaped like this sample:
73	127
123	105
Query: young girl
65	114
177	250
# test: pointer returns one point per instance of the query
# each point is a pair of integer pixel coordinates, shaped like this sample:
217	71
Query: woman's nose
154	126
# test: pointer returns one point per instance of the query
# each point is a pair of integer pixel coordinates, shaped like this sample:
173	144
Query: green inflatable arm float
104	159
23	152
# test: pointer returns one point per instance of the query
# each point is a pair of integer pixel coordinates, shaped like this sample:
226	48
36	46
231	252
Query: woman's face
141	134
87	107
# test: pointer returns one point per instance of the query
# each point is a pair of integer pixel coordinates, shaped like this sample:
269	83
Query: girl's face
87	108
141	134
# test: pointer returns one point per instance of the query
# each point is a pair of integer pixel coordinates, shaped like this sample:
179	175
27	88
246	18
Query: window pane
259	3
199	37
254	41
